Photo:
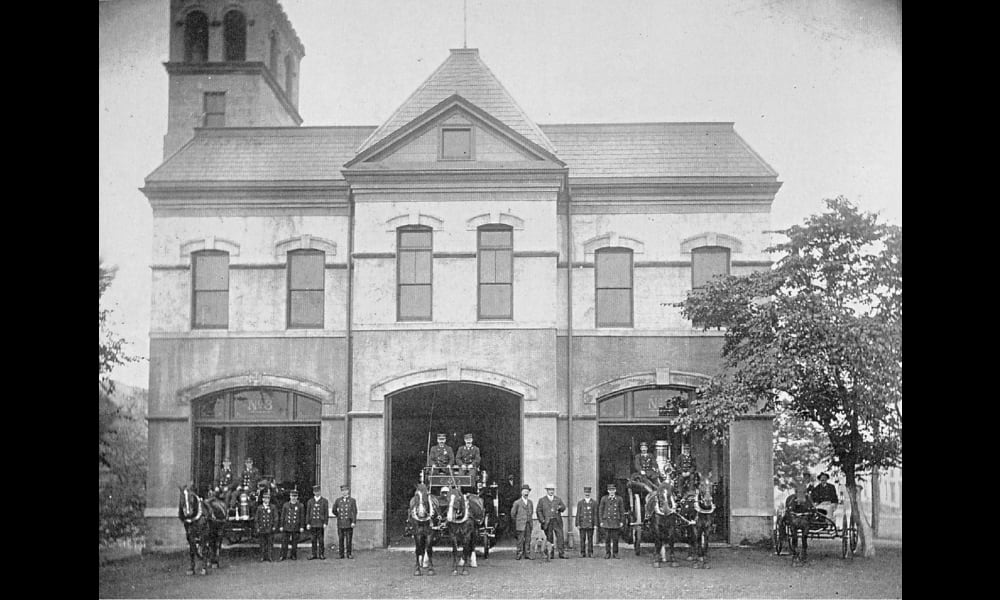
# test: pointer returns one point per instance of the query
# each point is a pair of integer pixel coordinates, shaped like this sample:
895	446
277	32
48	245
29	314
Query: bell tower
233	63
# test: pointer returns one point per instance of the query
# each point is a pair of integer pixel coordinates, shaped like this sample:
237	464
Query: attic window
456	143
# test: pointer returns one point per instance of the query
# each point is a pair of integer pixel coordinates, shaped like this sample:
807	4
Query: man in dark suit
686	466
441	456
467	457
611	516
265	522
586	517
293	521
520	517
550	510
317	516
824	495
346	509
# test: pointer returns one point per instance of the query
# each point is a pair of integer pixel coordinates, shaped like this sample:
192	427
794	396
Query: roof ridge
531	123
645	123
371	139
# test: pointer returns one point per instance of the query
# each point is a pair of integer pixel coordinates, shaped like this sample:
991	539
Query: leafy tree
799	446
123	480
819	337
112	353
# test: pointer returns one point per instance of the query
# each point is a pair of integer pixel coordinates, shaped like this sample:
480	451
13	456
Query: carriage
486	531
240	526
821	527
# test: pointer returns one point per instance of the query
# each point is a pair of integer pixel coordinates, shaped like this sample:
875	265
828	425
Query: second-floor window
413	274
210	298
306	289
215	109
614	287
496	272
707	263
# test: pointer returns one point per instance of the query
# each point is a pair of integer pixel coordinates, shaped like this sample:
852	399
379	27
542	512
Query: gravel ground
734	573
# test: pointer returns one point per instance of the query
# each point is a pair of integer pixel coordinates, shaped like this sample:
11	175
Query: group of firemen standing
293	518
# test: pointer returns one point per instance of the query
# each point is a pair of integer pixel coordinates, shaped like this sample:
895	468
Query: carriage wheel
778	538
854	540
637	538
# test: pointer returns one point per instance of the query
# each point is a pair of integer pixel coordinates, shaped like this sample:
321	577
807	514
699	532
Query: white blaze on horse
422	517
203	523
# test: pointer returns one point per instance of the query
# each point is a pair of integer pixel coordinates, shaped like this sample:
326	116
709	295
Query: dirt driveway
734	572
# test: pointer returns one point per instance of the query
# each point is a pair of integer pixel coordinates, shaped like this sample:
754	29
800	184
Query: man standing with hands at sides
586	516
611	514
266	521
468	458
346	509
550	509
293	521
317	516
520	517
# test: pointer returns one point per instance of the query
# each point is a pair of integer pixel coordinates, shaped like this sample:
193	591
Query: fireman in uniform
586	516
293	520
224	485
265	522
317	516
346	509
686	466
441	457
645	465
468	458
611	516
248	479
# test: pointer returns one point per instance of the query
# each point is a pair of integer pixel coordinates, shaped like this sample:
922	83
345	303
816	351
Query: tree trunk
876	501
866	546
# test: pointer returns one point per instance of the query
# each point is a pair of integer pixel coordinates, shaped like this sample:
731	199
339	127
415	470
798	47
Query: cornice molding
661	376
452	372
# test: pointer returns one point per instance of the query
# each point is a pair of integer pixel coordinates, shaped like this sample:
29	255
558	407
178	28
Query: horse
704	509
477	511
462	529
666	522
203	524
421	518
798	516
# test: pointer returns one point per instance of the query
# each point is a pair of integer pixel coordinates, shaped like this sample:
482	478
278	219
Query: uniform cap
316	488
612	488
644	444
345	487
444	489
442	436
293	492
525	487
586	488
468	437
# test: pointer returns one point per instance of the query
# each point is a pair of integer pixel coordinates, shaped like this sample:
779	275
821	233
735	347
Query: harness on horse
198	502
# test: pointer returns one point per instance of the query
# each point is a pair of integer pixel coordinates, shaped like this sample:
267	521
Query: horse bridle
420	508
451	510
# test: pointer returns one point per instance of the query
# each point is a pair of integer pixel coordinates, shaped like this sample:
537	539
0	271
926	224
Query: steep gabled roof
463	73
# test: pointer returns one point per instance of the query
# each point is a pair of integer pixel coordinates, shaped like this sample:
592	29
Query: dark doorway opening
289	454
619	443
417	415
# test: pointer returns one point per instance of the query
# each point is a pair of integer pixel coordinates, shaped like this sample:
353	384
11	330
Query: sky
814	86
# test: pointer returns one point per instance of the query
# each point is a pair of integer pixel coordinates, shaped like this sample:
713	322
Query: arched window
234	33
614	287
196	37
289	75
272	62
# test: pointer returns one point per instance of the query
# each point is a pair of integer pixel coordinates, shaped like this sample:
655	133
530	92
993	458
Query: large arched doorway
647	413
415	417
277	428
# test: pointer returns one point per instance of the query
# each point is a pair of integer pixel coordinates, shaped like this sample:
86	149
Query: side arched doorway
278	428
416	415
647	413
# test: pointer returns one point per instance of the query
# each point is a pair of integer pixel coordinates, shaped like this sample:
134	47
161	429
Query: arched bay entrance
647	413
416	415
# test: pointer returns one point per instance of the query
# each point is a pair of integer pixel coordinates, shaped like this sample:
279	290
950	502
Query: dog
540	544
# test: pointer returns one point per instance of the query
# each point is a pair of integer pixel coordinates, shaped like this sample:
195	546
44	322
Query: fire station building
325	300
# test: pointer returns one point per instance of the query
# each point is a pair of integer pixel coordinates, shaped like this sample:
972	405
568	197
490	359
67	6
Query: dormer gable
454	134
